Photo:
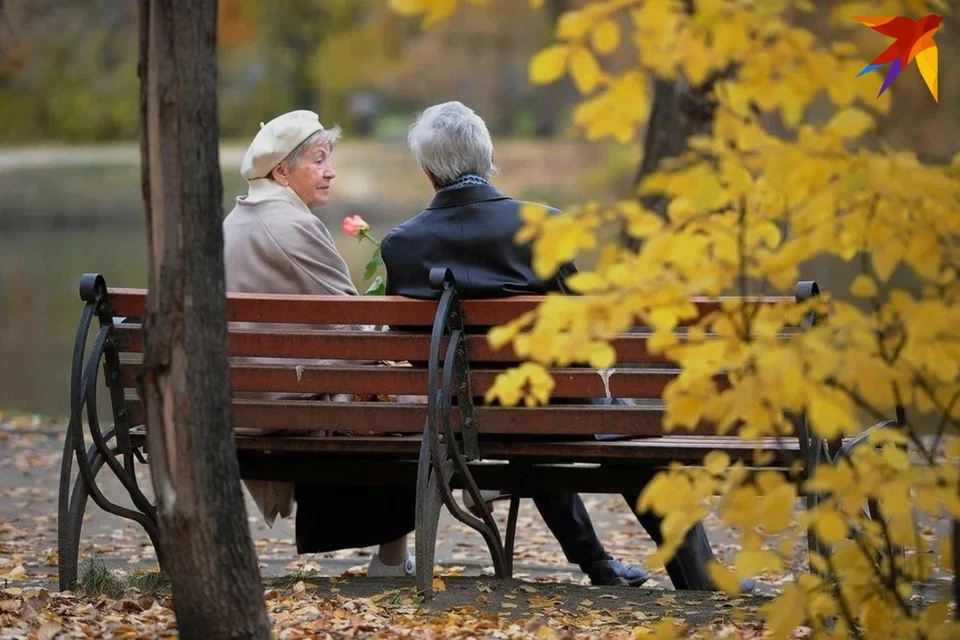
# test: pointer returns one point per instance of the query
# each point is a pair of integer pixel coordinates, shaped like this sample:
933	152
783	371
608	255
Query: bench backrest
291	348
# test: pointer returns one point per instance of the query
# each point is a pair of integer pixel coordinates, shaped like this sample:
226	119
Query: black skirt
333	518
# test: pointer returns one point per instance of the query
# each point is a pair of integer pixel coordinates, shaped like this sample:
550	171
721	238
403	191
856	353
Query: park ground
329	592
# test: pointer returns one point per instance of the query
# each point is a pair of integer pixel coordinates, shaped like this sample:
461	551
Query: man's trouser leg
568	521
688	567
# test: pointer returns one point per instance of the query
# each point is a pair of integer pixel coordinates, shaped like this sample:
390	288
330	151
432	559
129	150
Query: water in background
40	306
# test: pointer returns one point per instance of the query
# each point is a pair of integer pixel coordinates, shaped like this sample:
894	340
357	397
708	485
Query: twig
841	600
878	415
944	420
889	581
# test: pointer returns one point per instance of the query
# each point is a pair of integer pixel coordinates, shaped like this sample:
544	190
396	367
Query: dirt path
30	452
321	590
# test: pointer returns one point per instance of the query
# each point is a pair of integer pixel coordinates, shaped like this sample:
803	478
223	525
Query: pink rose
354	225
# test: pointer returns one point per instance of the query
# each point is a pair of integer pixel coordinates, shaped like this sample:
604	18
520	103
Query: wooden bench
441	446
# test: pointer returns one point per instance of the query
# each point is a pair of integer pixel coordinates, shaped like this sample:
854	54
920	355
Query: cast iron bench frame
450	453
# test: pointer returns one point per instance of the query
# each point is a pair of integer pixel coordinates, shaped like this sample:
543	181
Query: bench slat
369	345
385	417
570	383
665	448
391	310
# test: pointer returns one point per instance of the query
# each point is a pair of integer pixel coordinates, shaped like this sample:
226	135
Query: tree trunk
210	557
679	111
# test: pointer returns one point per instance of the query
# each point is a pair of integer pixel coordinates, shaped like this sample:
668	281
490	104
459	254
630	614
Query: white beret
276	140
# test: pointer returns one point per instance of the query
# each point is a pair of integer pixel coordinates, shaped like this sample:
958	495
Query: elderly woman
273	243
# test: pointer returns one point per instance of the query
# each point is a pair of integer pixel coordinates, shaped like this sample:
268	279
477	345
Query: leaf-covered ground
327	595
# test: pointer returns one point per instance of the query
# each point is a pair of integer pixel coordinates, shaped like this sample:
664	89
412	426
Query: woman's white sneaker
378	569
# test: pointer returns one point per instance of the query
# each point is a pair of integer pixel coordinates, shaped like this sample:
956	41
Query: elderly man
469	227
274	244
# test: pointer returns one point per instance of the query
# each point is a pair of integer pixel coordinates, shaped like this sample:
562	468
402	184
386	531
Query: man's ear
279	174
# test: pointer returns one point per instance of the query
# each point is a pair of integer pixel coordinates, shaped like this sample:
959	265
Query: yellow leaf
885	259
863	286
532	213
407	7
439	585
606	36
587	282
584	70
663	319
573	25
438	11
500	336
602	356
851	122
723	578
750	563
549	65
536	4
830	413
830	527
787	612
716	462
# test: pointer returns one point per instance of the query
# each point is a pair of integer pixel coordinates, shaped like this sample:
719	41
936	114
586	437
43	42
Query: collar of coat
263	189
466	195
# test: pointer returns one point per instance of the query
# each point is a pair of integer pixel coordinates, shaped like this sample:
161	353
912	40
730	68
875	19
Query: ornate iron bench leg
429	501
72	505
106	444
439	463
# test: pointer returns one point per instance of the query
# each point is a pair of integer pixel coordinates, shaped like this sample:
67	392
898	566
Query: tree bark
678	112
209	552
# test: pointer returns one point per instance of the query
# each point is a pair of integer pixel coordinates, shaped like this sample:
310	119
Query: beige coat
274	244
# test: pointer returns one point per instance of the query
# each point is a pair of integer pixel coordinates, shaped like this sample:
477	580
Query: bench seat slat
570	383
385	417
664	448
369	345
396	310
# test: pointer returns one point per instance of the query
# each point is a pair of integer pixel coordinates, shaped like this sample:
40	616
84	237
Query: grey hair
450	140
323	136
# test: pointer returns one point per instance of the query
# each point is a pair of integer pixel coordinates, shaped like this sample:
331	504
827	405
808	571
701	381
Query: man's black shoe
614	573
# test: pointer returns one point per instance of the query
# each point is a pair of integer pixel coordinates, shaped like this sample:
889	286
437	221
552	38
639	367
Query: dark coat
470	231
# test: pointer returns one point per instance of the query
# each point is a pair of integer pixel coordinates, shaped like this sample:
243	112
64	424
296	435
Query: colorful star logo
914	40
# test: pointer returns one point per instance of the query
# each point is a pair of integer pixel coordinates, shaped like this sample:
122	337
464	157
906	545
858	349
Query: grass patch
97	579
287	581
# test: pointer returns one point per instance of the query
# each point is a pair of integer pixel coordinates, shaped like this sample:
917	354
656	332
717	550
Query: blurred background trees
67	70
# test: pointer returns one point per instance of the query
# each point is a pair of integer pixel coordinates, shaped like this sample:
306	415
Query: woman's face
310	178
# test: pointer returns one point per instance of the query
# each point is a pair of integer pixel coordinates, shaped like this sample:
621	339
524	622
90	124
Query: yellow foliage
749	208
605	37
550	64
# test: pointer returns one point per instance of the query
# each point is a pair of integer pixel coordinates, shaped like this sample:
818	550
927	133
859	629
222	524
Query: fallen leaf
49	630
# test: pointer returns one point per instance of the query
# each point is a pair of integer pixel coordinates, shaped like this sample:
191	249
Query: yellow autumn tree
746	211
